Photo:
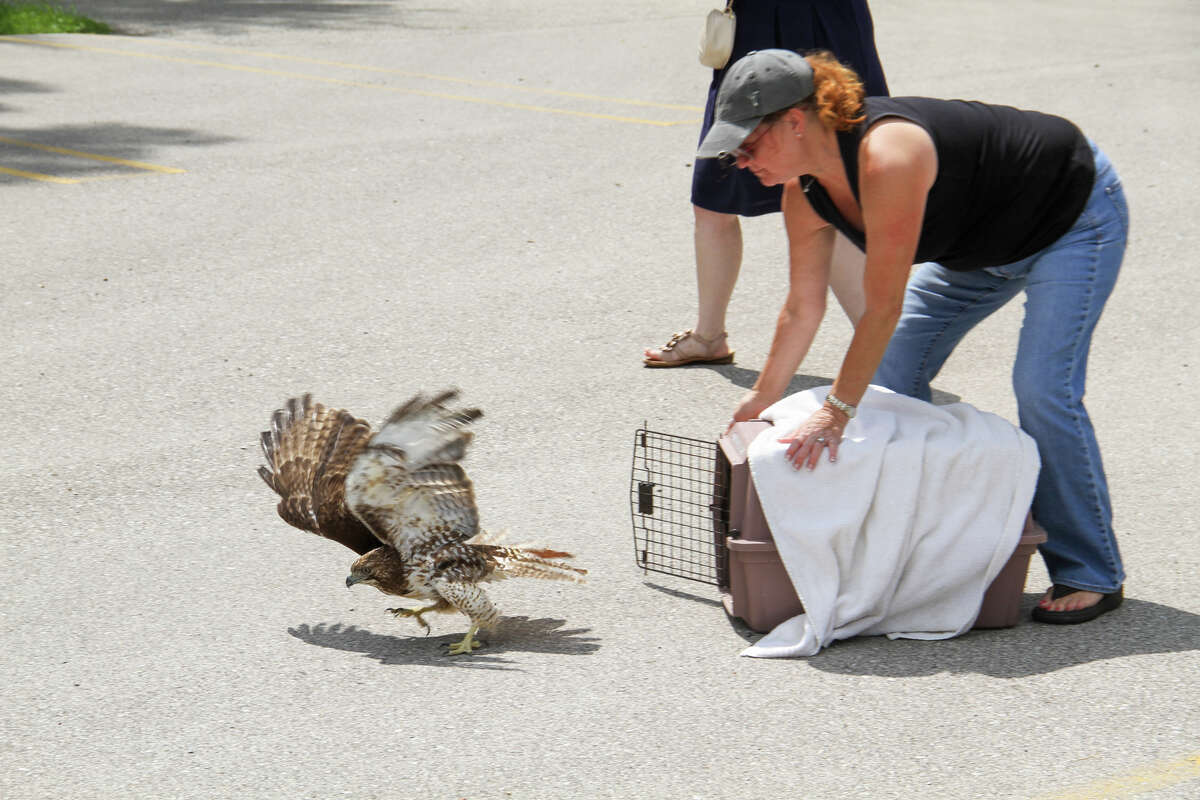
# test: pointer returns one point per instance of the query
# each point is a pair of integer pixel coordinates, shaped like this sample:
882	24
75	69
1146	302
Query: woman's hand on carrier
820	431
752	404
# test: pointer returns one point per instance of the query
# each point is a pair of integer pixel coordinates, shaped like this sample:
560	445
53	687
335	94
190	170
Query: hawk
400	499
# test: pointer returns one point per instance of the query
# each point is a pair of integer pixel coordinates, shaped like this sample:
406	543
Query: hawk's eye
444	565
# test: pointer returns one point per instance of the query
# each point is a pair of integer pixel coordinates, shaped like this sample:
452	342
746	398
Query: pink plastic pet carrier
696	515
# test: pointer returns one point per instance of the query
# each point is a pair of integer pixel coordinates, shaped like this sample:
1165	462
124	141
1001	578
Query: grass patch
26	18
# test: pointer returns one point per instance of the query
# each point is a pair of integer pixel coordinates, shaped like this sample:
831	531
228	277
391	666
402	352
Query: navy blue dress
843	27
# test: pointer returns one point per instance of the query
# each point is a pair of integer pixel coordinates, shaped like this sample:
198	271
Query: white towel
905	532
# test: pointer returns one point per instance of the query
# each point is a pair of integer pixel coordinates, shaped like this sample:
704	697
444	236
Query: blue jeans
1066	286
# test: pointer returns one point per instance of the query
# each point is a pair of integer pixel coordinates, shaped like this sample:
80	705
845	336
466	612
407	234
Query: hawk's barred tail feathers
546	553
518	563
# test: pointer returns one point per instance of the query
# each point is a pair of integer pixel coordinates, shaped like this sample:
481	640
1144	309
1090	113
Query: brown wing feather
309	450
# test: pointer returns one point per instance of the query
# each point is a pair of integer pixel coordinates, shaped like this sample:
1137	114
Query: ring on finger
821	439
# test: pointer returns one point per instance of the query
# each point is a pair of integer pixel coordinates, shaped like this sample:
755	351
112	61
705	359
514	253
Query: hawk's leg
416	612
470	600
468	643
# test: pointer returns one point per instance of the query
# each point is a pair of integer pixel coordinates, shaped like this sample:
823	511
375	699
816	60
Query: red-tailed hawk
400	500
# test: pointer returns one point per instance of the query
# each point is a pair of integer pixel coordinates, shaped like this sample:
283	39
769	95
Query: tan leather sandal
689	347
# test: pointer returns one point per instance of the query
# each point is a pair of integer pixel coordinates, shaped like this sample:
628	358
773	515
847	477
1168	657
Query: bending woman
998	200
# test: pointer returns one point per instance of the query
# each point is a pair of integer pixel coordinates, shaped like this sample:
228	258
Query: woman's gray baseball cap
759	83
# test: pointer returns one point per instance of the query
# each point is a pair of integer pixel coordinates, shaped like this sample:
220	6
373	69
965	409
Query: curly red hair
838	93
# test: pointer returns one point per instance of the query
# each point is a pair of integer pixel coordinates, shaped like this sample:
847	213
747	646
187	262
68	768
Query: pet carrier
696	515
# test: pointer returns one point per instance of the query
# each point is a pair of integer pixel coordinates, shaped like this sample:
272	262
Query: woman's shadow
1138	627
745	378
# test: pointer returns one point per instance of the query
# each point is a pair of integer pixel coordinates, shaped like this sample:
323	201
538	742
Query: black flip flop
1105	604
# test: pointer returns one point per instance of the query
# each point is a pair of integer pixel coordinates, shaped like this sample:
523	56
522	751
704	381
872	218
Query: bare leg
718	242
846	277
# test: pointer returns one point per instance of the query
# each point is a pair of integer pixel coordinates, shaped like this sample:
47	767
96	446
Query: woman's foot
1066	605
689	347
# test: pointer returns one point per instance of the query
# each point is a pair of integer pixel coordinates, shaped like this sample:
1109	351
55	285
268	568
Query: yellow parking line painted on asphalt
111	176
36	176
357	84
425	76
1147	779
92	156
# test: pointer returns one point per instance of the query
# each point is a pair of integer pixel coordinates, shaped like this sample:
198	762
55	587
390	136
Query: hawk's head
382	568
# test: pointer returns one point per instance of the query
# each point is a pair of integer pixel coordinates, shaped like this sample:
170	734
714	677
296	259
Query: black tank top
1009	182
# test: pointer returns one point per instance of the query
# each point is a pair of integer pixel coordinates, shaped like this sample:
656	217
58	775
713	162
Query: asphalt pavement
228	204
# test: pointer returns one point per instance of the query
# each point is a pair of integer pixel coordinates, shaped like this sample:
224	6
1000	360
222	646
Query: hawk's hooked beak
352	579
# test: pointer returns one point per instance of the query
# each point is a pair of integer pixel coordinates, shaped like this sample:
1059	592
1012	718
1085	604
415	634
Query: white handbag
716	39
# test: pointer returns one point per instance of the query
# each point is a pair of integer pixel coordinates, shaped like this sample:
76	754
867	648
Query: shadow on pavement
745	378
10	86
1138	627
712	601
109	139
512	635
136	17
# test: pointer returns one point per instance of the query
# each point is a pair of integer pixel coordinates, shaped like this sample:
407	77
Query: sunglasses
730	158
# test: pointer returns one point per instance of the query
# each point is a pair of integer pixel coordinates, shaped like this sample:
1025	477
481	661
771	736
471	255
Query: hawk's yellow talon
468	643
413	612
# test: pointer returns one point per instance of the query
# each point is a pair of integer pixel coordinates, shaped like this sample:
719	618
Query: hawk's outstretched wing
309	451
407	485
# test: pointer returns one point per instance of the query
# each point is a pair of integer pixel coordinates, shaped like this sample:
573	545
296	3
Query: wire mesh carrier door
679	495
